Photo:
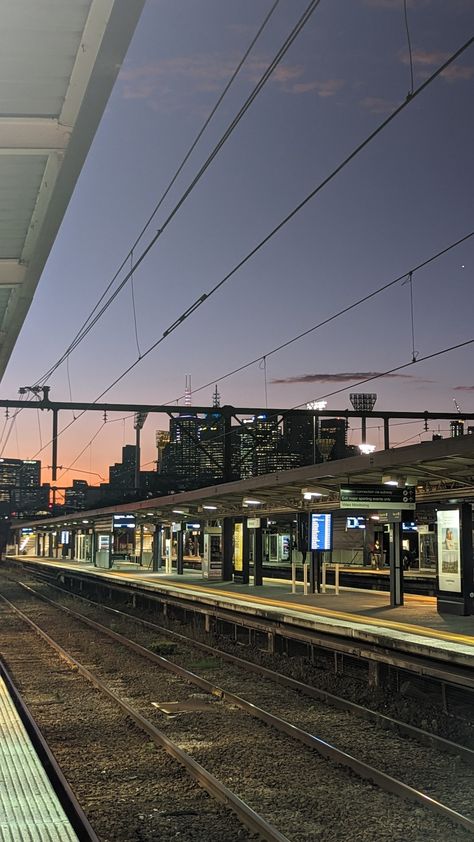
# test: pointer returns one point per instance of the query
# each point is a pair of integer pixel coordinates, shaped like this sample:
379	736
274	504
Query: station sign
253	523
392	516
377	497
321	532
355	522
121	521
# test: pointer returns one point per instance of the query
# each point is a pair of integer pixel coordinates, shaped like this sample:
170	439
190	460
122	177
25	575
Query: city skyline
402	200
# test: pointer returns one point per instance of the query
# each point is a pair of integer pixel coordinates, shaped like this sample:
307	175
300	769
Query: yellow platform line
420	631
325	612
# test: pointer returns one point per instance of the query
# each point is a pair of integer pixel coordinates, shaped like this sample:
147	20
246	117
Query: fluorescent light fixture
392	479
210	508
366	448
374	517
250	502
85	521
178	512
314	491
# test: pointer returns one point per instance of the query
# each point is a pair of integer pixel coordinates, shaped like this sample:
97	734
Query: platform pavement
363	615
29	807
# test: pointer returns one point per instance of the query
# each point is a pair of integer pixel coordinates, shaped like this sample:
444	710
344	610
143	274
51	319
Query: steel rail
221	793
457	676
74	812
326	750
388	723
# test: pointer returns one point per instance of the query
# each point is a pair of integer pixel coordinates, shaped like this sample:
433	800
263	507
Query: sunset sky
405	197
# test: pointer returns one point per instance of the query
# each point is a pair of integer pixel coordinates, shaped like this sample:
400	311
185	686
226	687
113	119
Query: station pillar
227	543
180	551
396	567
157	548
258	559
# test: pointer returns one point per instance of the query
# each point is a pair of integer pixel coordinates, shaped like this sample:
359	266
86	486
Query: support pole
157	548
245	552
137	459
180	551
386	434
258	560
293	577
396	568
227	538
54	456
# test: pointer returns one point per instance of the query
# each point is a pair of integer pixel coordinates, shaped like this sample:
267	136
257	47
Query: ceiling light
210	508
250	502
178	511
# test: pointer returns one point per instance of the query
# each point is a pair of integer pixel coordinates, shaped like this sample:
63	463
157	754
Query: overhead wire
81	333
258	87
82	451
332	318
410	53
205	296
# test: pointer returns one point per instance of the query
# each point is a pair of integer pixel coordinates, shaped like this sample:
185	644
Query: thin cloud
394	4
378	105
159	82
340	377
464	388
427	59
327	87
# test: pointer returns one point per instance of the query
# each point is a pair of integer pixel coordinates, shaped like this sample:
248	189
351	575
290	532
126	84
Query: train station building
396	520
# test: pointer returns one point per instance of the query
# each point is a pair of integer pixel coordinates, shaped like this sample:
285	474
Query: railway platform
361	616
29	806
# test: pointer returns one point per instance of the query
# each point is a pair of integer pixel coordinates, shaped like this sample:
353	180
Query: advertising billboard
449	551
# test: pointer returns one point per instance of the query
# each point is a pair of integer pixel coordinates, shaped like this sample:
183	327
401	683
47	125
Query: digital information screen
321	532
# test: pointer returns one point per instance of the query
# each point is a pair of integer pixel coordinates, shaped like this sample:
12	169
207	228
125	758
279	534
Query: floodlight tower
363	402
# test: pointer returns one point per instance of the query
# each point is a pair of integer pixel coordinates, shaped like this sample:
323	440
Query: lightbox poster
449	551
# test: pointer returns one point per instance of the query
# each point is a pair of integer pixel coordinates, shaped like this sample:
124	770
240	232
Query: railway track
301	764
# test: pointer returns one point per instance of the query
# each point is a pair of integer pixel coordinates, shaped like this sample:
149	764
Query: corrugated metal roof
58	62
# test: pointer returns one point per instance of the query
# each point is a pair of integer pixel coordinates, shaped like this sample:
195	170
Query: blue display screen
321	532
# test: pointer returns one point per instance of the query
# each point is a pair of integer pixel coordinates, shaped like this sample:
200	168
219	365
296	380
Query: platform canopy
441	470
58	62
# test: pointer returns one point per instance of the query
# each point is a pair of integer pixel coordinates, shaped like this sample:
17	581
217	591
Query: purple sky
405	197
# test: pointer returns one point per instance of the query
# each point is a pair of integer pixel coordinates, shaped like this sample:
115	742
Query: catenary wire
331	318
82	451
264	78
196	140
206	296
410	54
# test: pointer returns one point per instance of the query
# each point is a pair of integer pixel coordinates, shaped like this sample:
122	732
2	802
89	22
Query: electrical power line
281	224
389	371
87	325
331	318
410	54
205	296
